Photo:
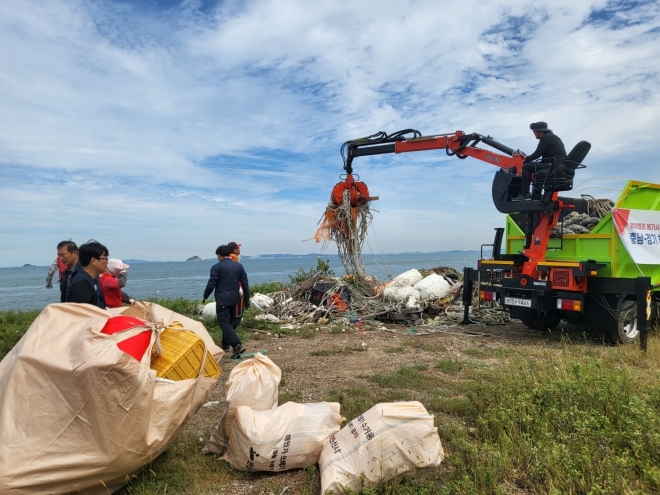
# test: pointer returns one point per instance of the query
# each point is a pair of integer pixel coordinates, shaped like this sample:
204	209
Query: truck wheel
543	322
626	331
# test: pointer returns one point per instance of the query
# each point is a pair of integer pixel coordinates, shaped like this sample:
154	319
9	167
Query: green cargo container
602	243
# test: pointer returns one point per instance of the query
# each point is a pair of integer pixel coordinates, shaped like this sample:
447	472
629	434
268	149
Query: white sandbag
400	294
386	441
411	277
288	437
77	414
254	383
433	286
261	301
208	310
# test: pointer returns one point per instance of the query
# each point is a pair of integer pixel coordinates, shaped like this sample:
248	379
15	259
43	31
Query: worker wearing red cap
236	256
235	251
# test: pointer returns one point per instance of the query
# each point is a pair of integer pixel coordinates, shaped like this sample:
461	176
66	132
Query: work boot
522	197
238	350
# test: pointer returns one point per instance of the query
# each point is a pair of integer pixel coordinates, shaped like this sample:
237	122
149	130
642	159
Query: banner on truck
639	231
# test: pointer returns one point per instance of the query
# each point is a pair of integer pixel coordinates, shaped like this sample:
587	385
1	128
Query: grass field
576	418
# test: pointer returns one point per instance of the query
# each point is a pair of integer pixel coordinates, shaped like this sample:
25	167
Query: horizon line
267	255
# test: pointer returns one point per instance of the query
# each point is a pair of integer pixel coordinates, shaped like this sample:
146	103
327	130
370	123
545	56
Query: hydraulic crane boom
457	144
543	213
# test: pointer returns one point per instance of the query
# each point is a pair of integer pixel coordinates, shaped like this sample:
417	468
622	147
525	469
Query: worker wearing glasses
85	286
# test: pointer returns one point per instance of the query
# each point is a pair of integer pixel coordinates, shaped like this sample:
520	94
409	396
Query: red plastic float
135	346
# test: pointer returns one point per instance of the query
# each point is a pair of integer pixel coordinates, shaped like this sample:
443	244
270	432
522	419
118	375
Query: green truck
543	278
586	278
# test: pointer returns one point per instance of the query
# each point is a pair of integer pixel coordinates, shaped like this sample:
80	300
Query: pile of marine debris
416	297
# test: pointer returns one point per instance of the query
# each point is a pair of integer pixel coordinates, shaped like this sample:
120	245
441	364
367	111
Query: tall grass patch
353	400
451	366
185	307
13	325
406	377
267	287
580	423
181	468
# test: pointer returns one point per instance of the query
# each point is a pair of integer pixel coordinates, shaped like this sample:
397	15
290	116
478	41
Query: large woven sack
79	414
386	441
400	294
408	278
288	437
208	310
261	301
433	286
253	383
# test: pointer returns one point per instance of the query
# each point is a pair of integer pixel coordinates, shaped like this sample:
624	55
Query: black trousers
527	171
228	322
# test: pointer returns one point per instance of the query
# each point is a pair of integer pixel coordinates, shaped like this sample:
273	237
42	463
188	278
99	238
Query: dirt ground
310	378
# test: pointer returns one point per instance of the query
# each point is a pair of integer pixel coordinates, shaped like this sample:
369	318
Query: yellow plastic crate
182	355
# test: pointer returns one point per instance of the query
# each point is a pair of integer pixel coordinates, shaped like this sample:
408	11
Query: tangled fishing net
347	226
346	302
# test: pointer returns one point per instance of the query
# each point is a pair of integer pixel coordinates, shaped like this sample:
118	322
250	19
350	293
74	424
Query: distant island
28	264
195	258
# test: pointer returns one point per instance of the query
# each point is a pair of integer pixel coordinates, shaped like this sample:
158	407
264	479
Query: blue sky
163	128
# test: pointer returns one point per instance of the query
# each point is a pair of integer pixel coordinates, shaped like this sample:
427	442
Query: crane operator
550	149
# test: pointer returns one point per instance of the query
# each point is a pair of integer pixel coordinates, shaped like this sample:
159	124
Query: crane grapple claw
359	192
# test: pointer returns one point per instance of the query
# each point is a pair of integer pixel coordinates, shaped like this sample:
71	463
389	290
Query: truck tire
625	331
600	320
543	321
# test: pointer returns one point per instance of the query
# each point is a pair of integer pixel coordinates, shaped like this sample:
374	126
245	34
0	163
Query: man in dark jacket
85	285
227	277
67	252
550	150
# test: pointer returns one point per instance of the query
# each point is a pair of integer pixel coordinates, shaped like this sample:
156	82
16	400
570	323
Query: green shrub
13	324
185	307
302	275
267	287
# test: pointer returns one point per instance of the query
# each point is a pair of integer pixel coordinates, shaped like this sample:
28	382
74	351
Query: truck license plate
514	301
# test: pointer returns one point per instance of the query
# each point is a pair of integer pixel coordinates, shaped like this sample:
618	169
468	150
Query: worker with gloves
550	150
226	278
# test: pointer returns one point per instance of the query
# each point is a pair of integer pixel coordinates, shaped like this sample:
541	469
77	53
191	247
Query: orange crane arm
462	145
457	144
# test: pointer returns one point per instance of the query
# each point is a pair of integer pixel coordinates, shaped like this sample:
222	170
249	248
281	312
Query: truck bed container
602	244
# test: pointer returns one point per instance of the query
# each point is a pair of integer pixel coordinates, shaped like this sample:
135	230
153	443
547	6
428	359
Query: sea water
25	287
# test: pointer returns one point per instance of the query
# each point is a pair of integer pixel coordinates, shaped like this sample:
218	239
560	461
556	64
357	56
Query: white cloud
166	132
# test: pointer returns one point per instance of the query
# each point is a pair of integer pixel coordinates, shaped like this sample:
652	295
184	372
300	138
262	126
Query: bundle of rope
598	208
347	226
583	223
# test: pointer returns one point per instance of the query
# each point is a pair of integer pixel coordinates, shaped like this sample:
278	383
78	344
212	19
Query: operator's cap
540	126
233	245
